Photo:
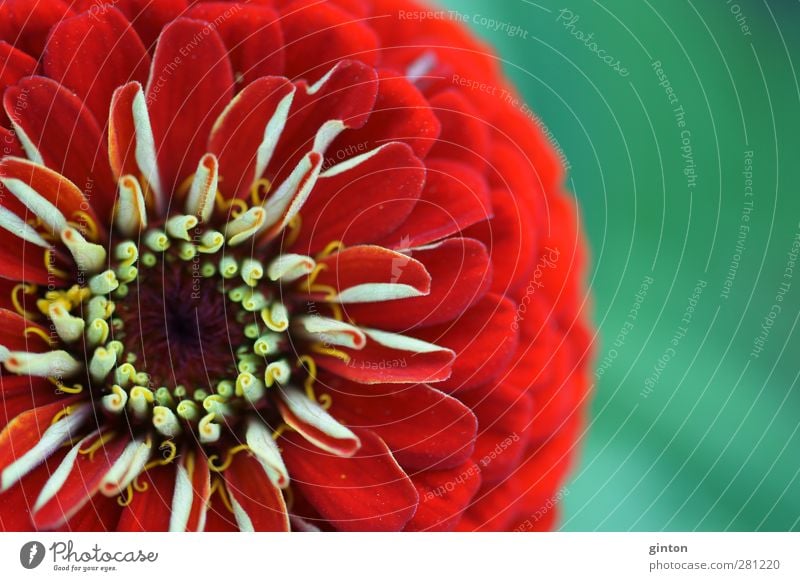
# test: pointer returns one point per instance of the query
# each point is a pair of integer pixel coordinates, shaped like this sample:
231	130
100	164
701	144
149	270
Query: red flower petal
391	358
504	416
19	394
423	427
23	261
148	17
317	35
149	510
51	185
455	197
14	65
83	477
460	272
443	496
401	113
13	334
99	514
342	99
372	273
465	134
244	137
190	84
192	488
17	503
258	504
252	34
484	339
26	23
367	492
338	210
65	134
9	145
93	54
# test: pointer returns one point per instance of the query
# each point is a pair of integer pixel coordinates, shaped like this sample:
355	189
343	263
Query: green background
715	444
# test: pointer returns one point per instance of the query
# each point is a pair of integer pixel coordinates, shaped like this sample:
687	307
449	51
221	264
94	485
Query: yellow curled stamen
168	459
126	497
323	350
308	283
62	414
279	431
48	264
259	191
334	246
39	332
294	226
236	206
27	289
310	365
89	227
218	486
72	390
99	443
139	485
228	458
186	185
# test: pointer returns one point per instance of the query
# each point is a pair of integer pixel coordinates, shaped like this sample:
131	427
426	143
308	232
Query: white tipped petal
18	227
47	364
260	441
249	224
61	431
402	342
200	202
127	467
30	198
332	332
290	267
88	256
325	432
376	292
131	214
69	328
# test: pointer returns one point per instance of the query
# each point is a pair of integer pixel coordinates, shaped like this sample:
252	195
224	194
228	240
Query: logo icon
31	554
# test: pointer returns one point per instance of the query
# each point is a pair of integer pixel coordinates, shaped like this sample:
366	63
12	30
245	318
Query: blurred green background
695	419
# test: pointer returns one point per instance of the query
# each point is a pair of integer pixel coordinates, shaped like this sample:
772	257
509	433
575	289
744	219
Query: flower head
272	266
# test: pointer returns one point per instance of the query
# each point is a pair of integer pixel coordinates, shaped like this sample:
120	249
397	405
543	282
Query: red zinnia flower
278	265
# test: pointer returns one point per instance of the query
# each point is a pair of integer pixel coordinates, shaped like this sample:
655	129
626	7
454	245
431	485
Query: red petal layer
443	496
14	65
401	113
338	208
455	197
149	17
19	394
252	34
149	509
67	136
504	416
93	54
260	500
26	23
484	339
190	84
239	133
465	134
367	492
460	272
317	35
423	427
